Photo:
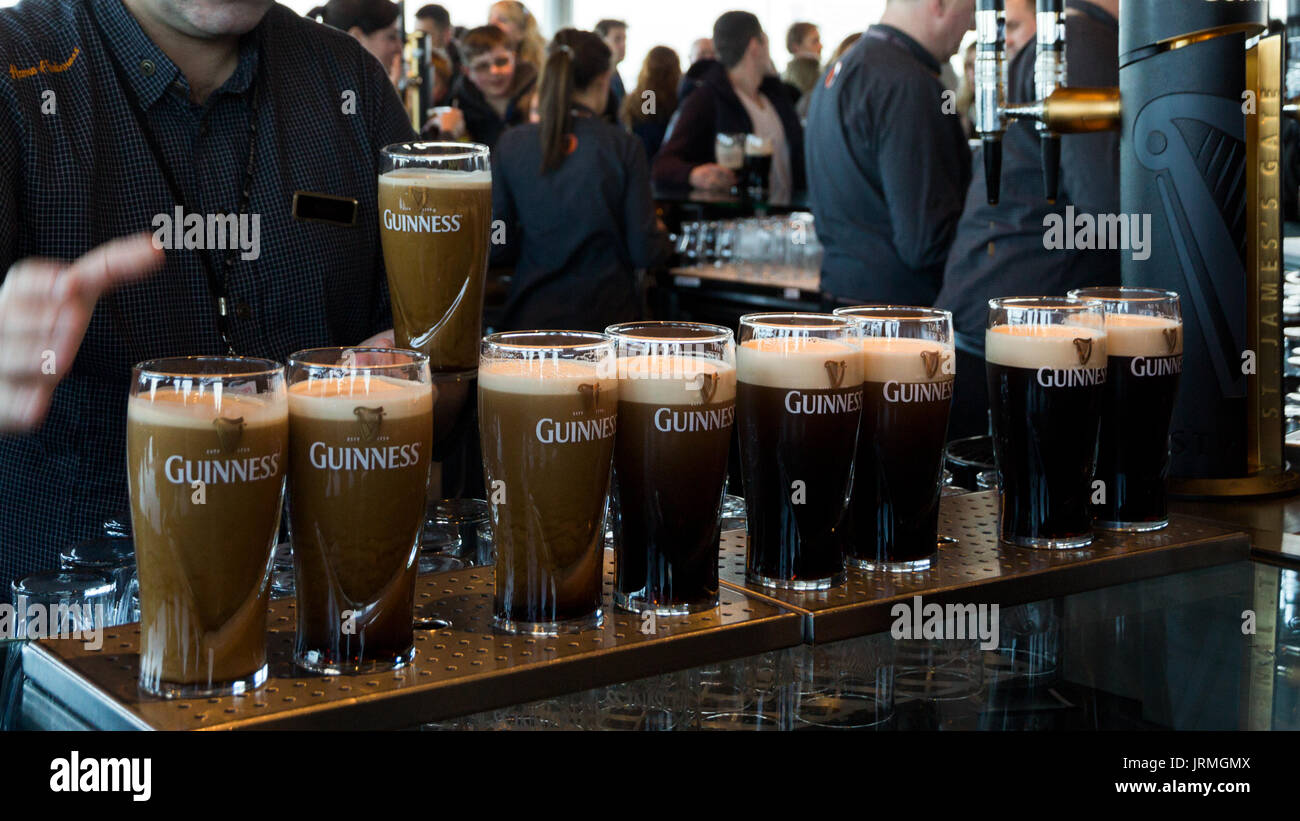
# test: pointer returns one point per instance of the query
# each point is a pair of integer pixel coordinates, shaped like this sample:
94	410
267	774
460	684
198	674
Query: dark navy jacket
999	249
888	171
577	235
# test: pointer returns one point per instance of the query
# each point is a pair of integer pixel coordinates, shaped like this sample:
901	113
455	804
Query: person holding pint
574	194
495	90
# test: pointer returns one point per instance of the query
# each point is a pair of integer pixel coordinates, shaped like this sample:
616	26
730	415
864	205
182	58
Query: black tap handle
1051	145
993	168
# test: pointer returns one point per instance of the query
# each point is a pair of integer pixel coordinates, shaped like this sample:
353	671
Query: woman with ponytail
574	193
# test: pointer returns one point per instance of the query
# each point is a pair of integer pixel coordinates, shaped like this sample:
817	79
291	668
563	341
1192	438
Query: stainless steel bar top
977	569
463	668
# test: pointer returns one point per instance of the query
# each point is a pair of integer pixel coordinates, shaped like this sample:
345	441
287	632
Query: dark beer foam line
902	360
338	399
1044	346
798	363
549	377
673	380
170	407
1133	335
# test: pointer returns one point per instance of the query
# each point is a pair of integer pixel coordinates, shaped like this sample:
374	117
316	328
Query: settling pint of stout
1047	368
676	409
758	166
909	368
798	407
548	411
207	450
435	217
360	436
1144	330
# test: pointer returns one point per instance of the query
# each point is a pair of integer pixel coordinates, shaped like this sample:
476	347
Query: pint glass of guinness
207	444
676	407
908	371
1144	330
360	435
435	217
1046	363
758	166
798	407
548	410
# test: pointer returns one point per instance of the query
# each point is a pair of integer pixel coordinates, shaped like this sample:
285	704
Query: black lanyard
216	278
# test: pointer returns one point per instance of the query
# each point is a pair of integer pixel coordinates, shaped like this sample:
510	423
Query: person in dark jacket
888	166
1000	250
574	194
652	103
495	90
736	95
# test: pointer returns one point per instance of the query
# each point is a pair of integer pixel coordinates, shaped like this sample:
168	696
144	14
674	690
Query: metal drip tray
462	669
979	569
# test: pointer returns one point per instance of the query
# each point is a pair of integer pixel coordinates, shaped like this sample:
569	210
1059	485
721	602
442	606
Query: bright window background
677	23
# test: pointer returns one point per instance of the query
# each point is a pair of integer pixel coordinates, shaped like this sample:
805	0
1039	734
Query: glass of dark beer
1144	330
207	442
758	166
798	405
548	410
1046	364
676	408
909	367
360	437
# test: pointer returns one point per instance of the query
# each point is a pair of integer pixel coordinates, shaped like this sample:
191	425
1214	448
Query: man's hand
45	308
712	177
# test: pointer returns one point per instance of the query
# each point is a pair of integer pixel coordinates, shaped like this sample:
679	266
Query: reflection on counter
1167	653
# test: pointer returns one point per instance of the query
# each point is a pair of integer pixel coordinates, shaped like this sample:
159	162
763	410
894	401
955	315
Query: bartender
888	164
1000	250
115	114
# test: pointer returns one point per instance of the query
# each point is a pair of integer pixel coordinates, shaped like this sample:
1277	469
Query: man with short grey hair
888	163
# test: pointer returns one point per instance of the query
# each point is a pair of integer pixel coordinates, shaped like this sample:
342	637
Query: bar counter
1143	631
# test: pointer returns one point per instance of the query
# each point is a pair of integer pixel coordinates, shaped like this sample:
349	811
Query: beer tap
1058	110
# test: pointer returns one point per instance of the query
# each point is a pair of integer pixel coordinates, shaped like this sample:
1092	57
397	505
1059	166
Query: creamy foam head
336	400
1059	347
675	380
435	178
545	376
197	408
907	360
799	363
1137	335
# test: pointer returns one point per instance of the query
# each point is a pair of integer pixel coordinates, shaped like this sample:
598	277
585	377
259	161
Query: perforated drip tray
461	669
978	569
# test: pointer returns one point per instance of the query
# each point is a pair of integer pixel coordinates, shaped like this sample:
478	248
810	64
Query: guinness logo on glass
708	387
418	196
1084	349
370	419
932	360
590	396
836	370
1171	339
229	432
